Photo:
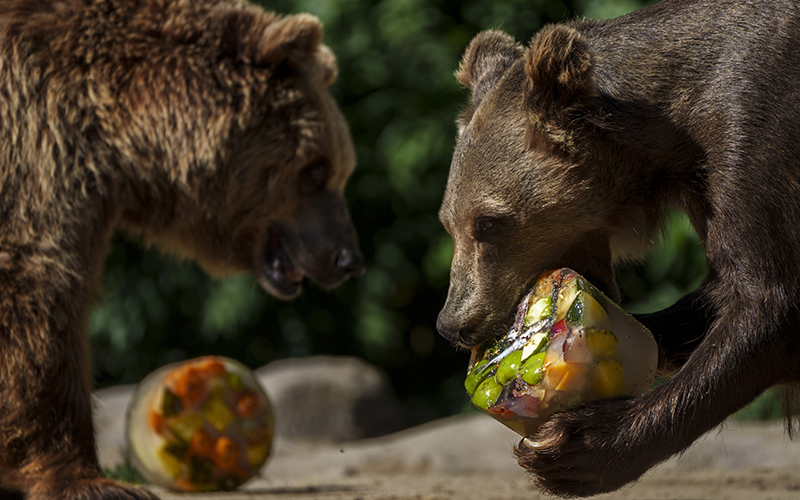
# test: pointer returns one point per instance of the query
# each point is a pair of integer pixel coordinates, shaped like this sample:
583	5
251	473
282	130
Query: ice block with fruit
201	425
570	344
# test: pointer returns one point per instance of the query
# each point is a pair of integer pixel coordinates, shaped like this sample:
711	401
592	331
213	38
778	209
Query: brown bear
202	126
571	152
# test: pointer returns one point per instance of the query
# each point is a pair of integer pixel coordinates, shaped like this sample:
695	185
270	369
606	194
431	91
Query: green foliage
126	473
767	406
674	267
397	91
608	9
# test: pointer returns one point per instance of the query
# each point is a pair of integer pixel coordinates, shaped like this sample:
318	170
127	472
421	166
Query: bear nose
448	329
348	262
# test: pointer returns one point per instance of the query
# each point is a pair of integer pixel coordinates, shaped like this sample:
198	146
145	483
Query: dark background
397	90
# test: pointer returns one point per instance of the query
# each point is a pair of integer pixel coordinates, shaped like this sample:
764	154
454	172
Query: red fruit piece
560	327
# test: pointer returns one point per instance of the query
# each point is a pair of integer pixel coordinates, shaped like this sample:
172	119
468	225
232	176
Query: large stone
110	406
330	398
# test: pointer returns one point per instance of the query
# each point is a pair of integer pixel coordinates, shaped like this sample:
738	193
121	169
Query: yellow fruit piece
553	370
563	376
217	413
608	379
234	381
574	378
594	316
185	427
602	343
170	462
256	454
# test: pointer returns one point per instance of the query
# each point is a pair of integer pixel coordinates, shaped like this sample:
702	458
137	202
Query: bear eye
485	225
314	177
492	226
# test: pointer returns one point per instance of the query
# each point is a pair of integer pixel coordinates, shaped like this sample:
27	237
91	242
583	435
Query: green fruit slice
531	370
487	393
477	375
537	343
507	370
539	310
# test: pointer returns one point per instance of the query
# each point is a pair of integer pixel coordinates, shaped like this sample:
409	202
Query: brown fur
571	152
203	126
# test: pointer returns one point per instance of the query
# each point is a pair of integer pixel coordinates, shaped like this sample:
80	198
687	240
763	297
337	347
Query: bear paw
94	489
586	451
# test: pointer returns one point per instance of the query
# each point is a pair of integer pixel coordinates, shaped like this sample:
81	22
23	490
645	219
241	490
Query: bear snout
346	263
448	328
458	331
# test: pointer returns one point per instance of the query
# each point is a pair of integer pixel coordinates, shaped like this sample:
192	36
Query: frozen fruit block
202	425
570	344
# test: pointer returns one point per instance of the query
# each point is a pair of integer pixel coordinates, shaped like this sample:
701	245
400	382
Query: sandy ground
470	458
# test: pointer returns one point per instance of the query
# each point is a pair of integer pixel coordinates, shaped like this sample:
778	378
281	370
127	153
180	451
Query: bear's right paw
591	449
94	489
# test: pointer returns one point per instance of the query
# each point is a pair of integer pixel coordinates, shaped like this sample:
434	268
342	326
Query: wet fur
201	126
570	153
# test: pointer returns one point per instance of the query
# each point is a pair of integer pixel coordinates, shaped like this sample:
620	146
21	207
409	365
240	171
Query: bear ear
327	68
291	38
488	56
560	88
264	39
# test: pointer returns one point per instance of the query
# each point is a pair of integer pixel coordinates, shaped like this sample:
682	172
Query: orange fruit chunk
201	444
563	376
248	404
190	387
226	453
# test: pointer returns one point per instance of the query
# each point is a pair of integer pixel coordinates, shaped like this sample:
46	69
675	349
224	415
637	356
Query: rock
110	406
330	398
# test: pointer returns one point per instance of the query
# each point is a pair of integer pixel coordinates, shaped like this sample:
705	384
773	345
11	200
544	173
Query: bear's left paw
585	451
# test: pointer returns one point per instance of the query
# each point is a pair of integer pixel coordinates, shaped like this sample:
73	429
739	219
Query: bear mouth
281	274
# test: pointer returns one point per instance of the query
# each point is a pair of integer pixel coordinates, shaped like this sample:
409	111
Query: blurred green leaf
674	267
767	406
126	473
230	302
608	9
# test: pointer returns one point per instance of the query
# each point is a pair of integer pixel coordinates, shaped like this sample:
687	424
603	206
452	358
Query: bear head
532	180
238	155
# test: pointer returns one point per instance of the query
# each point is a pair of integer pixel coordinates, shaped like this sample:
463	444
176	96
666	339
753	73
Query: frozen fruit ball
569	344
200	425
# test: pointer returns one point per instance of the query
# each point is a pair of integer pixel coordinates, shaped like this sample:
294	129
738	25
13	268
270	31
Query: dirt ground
469	457
748	485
